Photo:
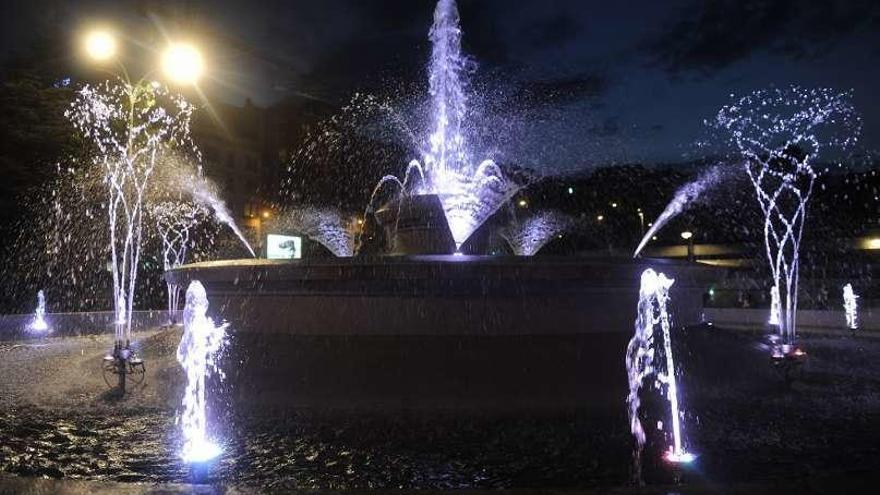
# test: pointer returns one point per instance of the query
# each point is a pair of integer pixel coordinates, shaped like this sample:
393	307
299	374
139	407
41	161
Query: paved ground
754	434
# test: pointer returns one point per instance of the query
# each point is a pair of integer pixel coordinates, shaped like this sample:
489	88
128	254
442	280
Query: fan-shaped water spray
469	194
323	225
527	237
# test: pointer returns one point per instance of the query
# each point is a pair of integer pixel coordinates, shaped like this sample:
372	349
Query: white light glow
182	63
100	45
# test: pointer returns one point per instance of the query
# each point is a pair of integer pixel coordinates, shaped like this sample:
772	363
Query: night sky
605	81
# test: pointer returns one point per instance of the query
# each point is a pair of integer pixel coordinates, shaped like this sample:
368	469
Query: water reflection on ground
745	425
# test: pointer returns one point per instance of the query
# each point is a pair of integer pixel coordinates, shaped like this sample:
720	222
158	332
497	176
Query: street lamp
182	63
100	45
689	237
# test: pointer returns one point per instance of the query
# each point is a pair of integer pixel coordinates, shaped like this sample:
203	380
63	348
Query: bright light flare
679	457
183	63
100	45
201	451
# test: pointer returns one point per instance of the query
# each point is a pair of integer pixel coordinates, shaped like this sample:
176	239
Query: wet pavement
746	424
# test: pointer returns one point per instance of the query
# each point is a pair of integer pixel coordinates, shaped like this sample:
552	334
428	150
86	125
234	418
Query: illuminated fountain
175	222
642	363
322	225
851	307
200	344
205	192
407	322
39	323
133	127
468	192
685	196
774	306
527	237
779	135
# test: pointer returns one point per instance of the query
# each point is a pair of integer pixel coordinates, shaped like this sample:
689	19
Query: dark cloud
712	35
563	90
609	127
551	32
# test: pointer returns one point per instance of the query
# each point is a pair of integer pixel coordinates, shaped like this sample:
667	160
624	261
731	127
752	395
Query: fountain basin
435	331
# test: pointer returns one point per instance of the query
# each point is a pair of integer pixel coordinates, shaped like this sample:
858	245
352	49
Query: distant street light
182	63
523	203
100	45
600	218
689	237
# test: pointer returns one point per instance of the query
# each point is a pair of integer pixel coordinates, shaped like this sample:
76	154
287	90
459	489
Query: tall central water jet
448	101
469	193
197	353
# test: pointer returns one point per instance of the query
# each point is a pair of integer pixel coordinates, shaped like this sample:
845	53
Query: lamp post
182	64
688	236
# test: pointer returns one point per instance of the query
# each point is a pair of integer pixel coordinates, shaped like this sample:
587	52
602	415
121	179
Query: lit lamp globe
182	63
100	45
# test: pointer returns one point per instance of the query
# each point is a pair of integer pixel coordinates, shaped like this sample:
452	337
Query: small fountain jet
774	306
197	353
851	307
39	323
652	313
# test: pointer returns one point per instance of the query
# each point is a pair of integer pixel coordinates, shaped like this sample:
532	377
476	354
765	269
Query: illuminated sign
283	247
